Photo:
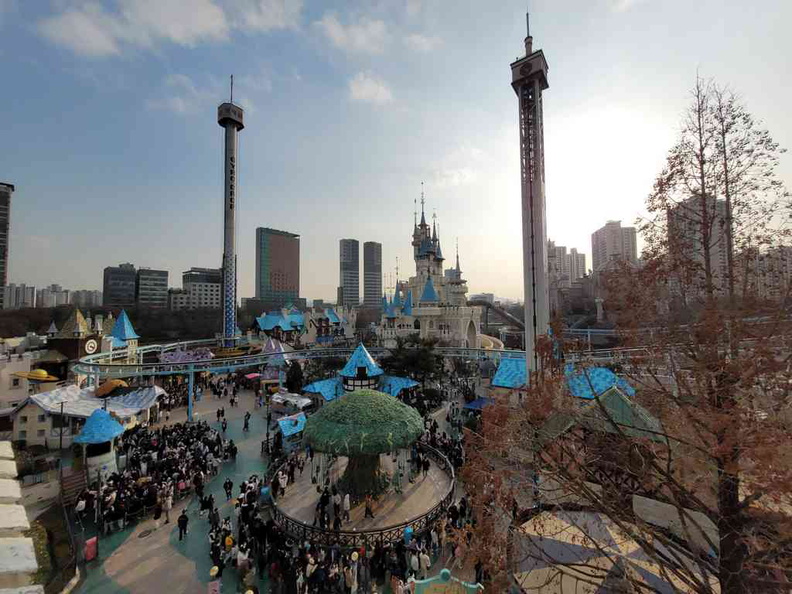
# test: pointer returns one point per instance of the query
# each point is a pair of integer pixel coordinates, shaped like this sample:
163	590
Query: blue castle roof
332	316
330	389
397	302
384	303
99	428
361	358
393	385
123	330
429	292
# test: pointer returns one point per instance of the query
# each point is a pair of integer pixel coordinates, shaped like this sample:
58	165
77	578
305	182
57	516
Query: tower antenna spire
232	89
527	22
422	198
415	212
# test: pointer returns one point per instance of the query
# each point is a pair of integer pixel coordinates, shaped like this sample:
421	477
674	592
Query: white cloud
182	95
422	43
266	15
365	36
413	7
460	167
88	29
366	88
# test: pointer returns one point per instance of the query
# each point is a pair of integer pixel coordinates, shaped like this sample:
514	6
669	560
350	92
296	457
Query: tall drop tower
230	117
529	79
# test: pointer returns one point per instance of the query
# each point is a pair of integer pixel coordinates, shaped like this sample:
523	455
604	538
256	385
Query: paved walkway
392	508
132	562
143	560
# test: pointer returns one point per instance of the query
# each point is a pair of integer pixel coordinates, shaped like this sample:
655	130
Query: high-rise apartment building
151	289
372	274
577	265
277	267
5	220
118	288
86	298
19	296
613	242
52	296
692	225
349	257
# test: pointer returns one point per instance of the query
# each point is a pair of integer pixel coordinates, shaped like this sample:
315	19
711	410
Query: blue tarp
361	358
292	425
479	403
590	382
393	385
510	374
330	389
99	428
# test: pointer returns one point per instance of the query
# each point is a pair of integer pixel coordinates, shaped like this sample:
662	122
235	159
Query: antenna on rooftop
232	89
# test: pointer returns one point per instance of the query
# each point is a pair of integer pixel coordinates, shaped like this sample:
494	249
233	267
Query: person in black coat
182	522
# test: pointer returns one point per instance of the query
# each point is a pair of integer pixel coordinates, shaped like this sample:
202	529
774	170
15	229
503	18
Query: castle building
433	303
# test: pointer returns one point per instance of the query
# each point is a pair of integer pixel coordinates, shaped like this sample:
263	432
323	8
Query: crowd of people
161	465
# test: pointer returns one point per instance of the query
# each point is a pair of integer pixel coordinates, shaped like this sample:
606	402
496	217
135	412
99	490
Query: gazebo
97	436
361	426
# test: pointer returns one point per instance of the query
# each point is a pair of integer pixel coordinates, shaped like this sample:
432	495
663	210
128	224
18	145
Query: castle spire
423	218
457	256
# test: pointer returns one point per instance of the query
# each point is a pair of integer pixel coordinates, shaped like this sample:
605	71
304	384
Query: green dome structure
362	425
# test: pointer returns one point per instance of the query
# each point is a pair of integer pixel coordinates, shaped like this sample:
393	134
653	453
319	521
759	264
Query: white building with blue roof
433	303
322	326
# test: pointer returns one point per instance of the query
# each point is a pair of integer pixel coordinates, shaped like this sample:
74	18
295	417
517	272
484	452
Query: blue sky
110	134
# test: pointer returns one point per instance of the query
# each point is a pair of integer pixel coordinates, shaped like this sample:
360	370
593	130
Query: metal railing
297	529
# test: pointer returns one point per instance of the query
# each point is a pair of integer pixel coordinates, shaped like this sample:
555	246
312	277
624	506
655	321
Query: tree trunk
363	476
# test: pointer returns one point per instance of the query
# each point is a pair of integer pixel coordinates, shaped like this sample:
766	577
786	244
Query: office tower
19	296
5	220
277	267
577	265
203	287
349	257
529	80
230	117
151	288
613	242
372	274
118	288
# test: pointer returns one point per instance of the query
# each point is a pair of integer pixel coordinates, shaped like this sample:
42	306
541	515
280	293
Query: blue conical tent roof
429	292
123	329
99	428
361	358
439	252
384	302
408	304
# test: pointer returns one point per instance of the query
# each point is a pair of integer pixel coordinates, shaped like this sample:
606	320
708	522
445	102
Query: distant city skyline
124	161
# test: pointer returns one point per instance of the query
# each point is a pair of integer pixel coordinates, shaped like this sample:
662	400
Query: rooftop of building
277	232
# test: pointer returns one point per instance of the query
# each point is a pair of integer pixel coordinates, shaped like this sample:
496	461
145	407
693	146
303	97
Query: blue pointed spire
384	302
397	302
361	358
123	329
408	304
429	293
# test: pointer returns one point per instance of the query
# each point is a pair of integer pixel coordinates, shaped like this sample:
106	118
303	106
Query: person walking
246	426
224	425
347	507
167	505
369	513
183	521
228	487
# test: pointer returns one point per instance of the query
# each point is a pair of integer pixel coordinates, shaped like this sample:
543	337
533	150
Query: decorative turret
429	294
